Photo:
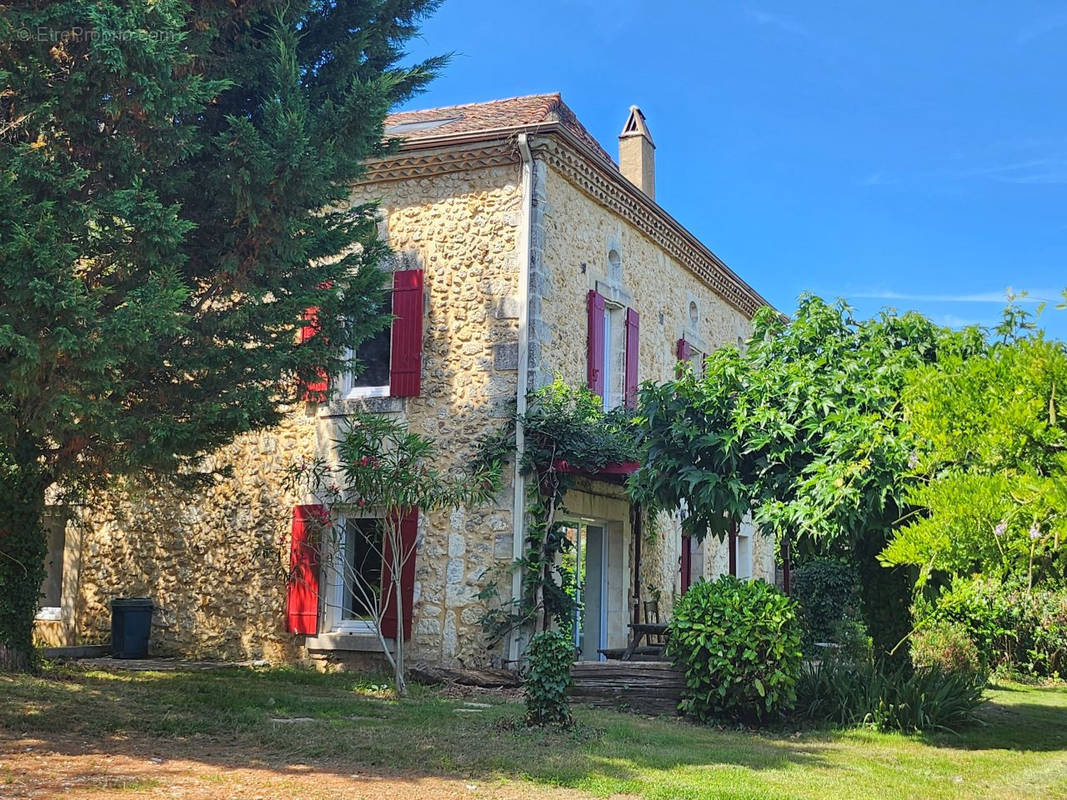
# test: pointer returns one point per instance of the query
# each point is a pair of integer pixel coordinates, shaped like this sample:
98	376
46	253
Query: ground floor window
357	575
52	588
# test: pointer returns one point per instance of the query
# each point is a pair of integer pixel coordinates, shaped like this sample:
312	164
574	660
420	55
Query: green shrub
888	697
1043	634
738	642
548	679
944	645
1014	629
827	595
982	608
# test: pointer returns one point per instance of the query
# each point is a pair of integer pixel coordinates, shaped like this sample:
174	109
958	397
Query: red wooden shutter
595	365
685	350
409	531
315	391
405	363
687	563
302	593
633	327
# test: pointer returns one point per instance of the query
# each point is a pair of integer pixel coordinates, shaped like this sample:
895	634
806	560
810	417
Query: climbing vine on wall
567	436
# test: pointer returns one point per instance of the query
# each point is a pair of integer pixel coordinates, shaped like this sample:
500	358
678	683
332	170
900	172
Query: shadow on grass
259	718
1018	718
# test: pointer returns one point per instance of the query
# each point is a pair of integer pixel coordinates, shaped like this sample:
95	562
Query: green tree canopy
175	196
991	459
802	428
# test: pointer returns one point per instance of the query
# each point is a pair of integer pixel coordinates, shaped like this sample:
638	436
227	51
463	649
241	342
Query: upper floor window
391	360
613	351
374	357
687	353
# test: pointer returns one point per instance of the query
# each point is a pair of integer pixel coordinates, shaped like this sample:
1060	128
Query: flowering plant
379	465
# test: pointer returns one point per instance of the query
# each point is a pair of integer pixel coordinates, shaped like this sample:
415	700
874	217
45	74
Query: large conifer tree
174	183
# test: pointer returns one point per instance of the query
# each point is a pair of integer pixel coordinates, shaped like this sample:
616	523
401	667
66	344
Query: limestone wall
215	561
586	246
463	230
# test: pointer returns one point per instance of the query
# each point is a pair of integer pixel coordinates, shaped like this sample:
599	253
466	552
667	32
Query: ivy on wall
567	436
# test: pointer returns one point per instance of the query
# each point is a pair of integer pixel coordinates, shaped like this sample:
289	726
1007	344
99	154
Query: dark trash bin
131	625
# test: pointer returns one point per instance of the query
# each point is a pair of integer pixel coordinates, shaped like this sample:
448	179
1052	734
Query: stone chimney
637	153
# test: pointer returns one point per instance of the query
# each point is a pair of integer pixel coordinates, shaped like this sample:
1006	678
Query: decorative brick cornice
412	164
585	169
608	190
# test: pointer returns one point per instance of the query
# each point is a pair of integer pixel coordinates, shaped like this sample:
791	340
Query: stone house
522	252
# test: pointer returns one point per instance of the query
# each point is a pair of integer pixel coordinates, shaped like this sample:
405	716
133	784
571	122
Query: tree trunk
398	662
399	558
23	548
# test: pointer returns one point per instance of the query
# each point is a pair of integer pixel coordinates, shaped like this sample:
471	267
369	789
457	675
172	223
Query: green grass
224	716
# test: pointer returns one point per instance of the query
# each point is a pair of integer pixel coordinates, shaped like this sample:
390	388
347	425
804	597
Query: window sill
359	642
352	405
360	392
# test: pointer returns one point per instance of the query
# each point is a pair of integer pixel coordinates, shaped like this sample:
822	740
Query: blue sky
897	154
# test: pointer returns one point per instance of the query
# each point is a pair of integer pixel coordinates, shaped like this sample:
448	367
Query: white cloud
875	179
1032	171
781	21
954	321
1041	27
1032	296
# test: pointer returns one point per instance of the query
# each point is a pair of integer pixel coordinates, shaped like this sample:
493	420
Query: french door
589	585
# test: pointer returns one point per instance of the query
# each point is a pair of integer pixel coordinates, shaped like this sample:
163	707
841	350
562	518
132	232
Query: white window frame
357	392
333	610
606	366
613	317
746	560
55	613
350	392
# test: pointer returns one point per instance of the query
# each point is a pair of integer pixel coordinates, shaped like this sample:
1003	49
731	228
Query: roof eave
607	167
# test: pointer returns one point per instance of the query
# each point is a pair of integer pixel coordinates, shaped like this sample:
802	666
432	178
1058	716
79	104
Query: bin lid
124	602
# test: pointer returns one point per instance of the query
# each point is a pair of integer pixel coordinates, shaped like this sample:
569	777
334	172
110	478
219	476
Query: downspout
523	379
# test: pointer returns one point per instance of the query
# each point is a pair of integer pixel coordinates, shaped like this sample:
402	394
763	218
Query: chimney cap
635	125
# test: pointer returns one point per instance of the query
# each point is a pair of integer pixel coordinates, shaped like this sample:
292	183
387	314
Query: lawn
282	733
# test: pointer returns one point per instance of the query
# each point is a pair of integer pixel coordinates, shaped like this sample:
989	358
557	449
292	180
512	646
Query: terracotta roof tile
514	112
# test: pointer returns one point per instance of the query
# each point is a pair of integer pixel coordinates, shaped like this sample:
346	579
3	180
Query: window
609	382
686	352
391	360
418	125
373	356
613	351
355	577
52	587
361	573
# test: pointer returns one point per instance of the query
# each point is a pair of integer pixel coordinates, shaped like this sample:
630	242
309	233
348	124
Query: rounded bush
738	642
945	646
828	604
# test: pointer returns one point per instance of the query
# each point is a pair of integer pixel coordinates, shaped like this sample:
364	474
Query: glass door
586	568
